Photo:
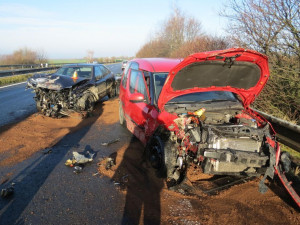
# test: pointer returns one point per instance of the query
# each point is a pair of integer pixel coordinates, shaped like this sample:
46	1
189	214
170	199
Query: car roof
157	64
82	64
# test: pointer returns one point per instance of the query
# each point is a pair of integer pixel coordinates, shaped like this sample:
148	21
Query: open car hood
53	81
244	72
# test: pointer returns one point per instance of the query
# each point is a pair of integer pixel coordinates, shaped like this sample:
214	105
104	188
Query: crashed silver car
73	87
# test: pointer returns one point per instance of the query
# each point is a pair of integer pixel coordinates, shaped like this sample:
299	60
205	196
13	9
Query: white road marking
13	84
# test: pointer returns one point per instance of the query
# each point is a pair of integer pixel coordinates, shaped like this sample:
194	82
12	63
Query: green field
54	61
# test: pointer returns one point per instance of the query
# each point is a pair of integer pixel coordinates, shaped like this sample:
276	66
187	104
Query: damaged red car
197	111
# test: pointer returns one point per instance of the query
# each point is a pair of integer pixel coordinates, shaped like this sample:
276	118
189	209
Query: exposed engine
54	103
229	142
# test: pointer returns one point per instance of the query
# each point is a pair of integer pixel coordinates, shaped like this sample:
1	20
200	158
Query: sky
68	29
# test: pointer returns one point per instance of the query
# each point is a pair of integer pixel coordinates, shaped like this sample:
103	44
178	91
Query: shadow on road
30	180
143	187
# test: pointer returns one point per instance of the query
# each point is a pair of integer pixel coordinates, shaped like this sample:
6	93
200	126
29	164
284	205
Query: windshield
209	96
82	71
159	80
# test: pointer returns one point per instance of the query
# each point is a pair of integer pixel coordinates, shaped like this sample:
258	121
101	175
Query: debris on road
6	192
109	163
110	142
47	151
70	162
79	158
82	158
77	169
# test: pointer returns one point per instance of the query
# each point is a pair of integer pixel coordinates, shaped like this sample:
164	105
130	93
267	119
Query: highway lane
16	103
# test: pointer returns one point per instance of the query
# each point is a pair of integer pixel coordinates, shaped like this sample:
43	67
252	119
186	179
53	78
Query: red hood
244	72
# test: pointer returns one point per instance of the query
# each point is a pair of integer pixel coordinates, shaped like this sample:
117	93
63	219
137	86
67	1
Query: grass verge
17	78
293	153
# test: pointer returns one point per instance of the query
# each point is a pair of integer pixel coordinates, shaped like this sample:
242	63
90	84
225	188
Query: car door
108	78
137	111
100	82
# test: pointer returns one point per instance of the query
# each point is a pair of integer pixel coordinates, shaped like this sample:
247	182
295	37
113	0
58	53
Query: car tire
112	92
121	115
162	156
89	102
117	89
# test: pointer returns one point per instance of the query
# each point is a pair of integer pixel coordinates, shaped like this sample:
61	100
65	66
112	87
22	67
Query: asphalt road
16	103
48	192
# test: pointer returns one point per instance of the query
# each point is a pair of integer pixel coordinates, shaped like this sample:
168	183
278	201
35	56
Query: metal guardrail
5	73
287	133
30	68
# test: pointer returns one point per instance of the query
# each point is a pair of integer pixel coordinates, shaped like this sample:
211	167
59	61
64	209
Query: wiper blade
185	102
201	102
217	100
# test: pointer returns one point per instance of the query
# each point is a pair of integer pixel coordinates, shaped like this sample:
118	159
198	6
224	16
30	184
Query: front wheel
162	156
112	92
86	102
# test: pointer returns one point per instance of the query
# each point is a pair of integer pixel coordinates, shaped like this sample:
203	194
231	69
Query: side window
104	71
98	72
124	81
137	83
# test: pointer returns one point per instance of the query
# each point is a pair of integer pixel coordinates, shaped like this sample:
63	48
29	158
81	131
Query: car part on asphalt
6	192
82	158
110	162
70	162
77	169
47	151
110	142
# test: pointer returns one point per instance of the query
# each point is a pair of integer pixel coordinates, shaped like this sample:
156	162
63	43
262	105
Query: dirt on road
19	141
148	200
240	204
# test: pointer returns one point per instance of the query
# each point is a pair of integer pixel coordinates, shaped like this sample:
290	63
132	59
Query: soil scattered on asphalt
148	199
37	132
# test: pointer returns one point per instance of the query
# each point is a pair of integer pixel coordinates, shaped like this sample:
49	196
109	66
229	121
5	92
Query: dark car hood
243	72
53	81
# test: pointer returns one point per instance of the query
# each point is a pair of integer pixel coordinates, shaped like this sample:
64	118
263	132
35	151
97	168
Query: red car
197	111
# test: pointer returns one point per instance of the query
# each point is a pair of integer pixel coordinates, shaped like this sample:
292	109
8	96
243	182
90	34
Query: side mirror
136	98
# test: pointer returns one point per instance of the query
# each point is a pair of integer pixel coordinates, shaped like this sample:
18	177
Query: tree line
24	56
271	27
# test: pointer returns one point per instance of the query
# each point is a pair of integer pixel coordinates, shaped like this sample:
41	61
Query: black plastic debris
110	142
6	192
47	151
125	179
286	161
